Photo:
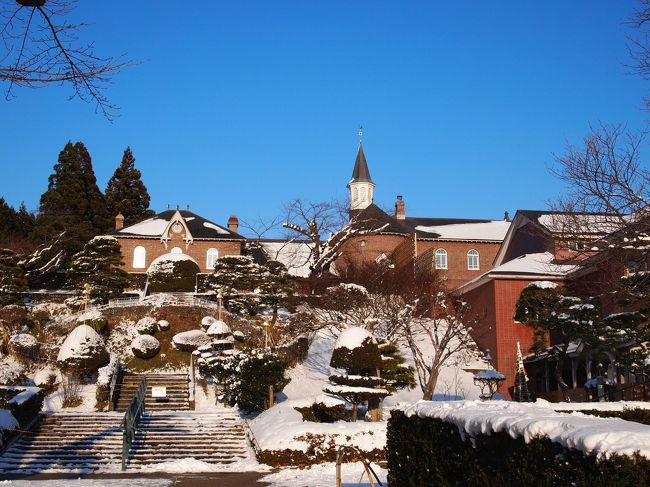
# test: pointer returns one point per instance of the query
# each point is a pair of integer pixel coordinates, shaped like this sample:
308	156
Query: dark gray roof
361	173
199	227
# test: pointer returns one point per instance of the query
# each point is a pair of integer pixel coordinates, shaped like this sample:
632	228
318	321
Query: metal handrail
117	376
131	420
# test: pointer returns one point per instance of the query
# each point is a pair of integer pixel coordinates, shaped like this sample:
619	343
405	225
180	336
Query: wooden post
271	396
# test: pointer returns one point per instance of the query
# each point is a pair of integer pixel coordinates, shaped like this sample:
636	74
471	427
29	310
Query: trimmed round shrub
239	336
82	351
24	345
11	372
173	275
188	341
206	321
218	329
147	326
163	325
145	346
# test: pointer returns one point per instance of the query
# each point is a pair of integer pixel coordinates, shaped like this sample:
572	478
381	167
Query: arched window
176	250
211	258
139	257
472	260
441	259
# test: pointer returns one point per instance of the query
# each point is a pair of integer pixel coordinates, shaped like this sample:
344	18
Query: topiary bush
257	372
173	276
429	451
147	326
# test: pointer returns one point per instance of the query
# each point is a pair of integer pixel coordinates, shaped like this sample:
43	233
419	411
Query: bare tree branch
43	48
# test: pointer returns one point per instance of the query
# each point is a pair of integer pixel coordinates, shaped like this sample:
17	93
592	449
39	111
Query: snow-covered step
177	391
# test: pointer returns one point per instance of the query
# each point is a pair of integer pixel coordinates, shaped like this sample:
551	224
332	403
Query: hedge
429	451
637	415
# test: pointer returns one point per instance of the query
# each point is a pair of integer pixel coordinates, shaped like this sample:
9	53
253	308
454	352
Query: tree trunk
374	409
559	366
430	388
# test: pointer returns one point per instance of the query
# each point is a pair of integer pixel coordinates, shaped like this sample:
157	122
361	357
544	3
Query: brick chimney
233	224
119	221
400	209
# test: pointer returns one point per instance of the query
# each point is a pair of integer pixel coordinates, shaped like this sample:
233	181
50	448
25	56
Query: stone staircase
177	392
68	442
92	442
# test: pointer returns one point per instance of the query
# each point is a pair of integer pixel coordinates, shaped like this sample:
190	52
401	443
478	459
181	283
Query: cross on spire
360	133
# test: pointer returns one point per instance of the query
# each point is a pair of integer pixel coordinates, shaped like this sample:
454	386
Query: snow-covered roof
541	263
528	265
296	256
198	226
491	230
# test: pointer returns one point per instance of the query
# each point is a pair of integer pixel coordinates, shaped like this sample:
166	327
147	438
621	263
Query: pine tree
98	265
15	226
12	278
72	202
126	193
394	370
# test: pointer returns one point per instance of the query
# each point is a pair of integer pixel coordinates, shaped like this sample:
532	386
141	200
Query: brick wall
155	248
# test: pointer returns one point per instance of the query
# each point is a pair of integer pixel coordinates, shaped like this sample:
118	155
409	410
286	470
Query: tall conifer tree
126	193
72	202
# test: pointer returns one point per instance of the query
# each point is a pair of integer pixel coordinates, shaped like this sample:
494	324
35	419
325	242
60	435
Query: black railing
112	391
131	419
633	392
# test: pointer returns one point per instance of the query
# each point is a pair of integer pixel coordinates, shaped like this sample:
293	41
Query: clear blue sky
241	106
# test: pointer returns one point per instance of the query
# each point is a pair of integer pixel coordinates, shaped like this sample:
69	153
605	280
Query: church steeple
361	186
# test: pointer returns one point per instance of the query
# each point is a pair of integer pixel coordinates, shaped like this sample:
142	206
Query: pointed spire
361	173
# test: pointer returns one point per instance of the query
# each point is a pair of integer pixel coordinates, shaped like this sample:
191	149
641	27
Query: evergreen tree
126	193
98	265
72	202
12	278
15	226
394	370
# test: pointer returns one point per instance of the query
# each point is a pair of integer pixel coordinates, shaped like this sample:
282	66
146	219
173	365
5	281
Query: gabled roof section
199	227
459	228
361	173
375	216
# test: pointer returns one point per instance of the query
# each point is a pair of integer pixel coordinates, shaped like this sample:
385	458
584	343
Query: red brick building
177	232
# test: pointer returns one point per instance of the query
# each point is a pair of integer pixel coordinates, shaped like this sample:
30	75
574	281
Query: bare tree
43	48
608	189
326	228
638	45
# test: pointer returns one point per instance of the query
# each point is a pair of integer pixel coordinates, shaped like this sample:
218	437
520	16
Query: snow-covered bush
147	325
325	409
23	402
45	377
258	371
14	317
219	330
173	273
11	372
145	346
24	345
93	319
82	351
188	341
239	336
206	321
357	352
163	325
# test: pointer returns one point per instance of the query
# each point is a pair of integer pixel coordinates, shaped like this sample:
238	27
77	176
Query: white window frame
442	253
176	250
139	257
211	255
471	255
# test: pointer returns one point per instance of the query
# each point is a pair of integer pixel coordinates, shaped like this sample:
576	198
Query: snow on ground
528	420
192	465
52	402
324	475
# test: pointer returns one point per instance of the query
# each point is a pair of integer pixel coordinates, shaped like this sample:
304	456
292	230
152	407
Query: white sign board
158	391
